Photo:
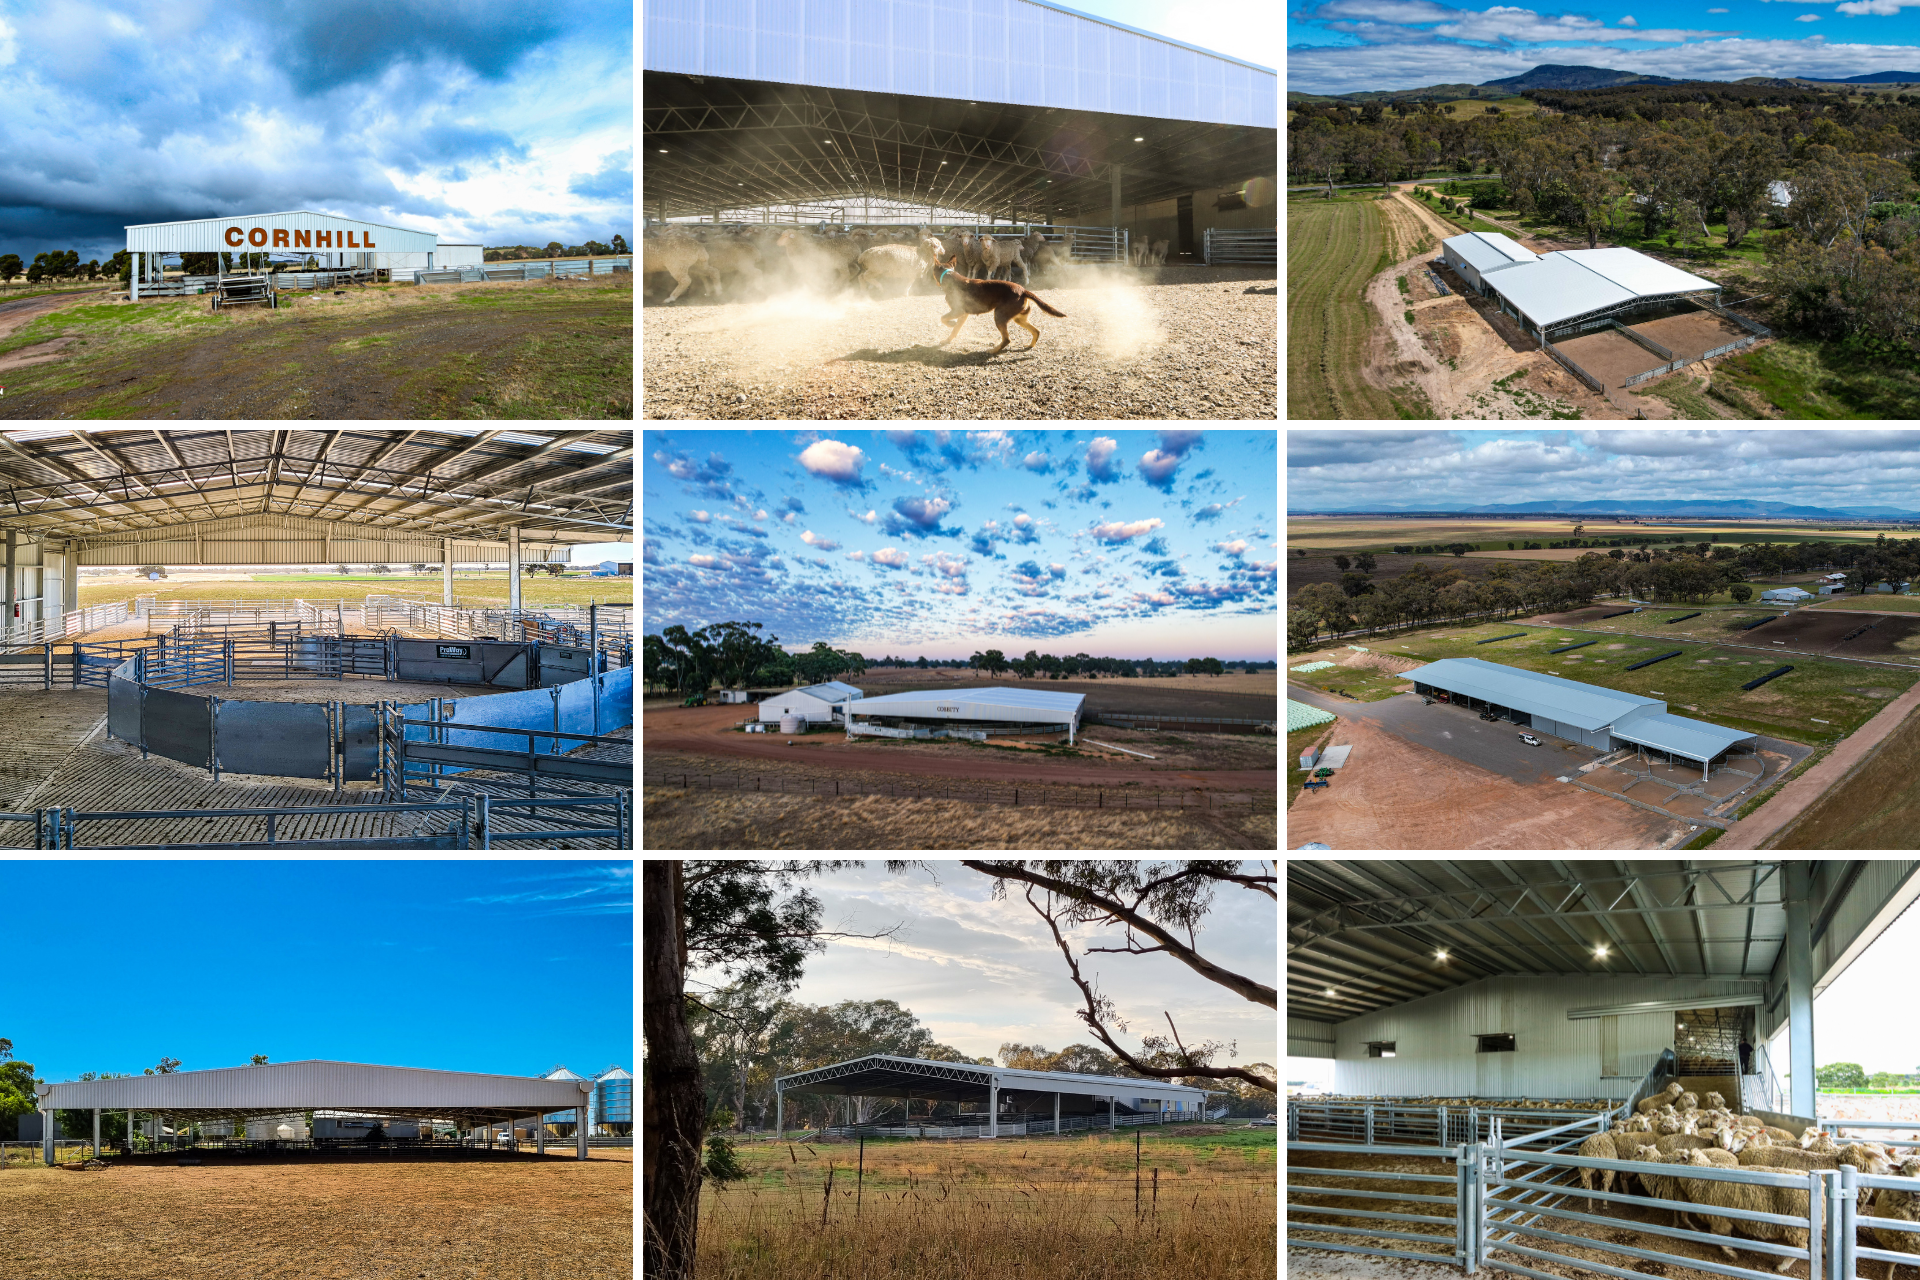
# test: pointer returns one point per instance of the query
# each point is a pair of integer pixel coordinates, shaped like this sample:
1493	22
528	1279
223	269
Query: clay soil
1608	355
1394	794
1689	335
1877	807
509	1216
1821	632
499	349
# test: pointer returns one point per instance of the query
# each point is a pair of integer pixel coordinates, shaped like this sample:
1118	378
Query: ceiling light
1439	955
1329	990
663	151
1139	139
1600	952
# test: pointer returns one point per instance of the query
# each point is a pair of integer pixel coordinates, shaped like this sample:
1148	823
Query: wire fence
971	793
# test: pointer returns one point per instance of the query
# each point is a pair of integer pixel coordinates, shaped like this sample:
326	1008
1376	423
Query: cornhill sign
278	238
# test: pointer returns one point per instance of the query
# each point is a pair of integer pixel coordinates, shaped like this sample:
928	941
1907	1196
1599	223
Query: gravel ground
1172	342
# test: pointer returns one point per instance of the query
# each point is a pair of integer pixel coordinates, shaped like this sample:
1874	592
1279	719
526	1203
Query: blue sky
1339	46
488	121
1132	544
505	967
1349	470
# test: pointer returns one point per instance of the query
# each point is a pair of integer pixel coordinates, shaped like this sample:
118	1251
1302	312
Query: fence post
1369	1124
1845	1235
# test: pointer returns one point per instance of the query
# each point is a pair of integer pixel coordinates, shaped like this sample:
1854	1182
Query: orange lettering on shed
257	237
280	238
303	239
233	236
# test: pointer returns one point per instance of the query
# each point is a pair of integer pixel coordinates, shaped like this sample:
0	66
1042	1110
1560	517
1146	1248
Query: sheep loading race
1679	1168
778	321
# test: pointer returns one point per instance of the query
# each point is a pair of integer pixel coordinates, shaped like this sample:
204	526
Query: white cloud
1057	570
1628	21
704	562
1157	466
1235	548
1116	532
1814	17
787	518
819	543
700	517
868	518
1716	11
1037	461
1022	520
856	555
759	515
891	557
1100	458
833	460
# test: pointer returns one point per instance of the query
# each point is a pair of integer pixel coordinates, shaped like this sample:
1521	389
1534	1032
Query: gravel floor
1175	342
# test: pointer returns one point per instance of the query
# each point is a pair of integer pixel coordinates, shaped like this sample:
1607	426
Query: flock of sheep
742	261
1674	1129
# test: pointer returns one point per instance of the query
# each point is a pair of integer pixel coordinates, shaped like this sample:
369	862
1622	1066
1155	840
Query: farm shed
1488	1019
1785	595
332	241
1556	293
816	703
997	710
1019	1101
1606	719
230	1093
1478	254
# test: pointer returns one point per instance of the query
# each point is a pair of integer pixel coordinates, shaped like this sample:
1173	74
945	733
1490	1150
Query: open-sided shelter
996	710
1066	1093
237	1093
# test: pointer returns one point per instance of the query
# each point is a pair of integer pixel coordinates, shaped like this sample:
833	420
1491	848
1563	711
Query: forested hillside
1820	185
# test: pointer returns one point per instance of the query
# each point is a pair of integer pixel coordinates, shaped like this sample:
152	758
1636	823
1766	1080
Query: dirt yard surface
509	1216
1393	794
708	732
1169	342
1691	334
502	349
1754	831
1875	603
1823	632
1608	355
696	819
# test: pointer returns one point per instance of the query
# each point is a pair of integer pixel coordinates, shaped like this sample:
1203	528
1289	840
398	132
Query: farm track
1331	252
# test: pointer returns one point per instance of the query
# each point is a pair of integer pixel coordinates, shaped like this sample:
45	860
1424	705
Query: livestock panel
123	709
281	739
177	725
359	744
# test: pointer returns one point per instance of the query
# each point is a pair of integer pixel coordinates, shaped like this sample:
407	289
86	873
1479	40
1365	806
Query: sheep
1659	1100
1157	255
1688	1102
1615	1144
998	253
892	268
1748	1196
1715	1102
683	258
1663	1186
1905	1205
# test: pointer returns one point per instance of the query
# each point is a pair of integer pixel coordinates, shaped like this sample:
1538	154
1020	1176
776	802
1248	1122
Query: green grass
1825	380
1785	708
1706	837
1363	684
1298	743
1872	601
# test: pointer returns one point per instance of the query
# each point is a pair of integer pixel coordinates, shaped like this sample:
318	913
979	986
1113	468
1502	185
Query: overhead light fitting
1139	139
1439	955
1329	990
1600	952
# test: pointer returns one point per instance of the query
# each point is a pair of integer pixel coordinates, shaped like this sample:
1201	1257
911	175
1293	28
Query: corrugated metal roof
1488	251
322	1085
1586	706
1631	269
1695	739
1367	931
1555	288
978	704
876	1064
831	691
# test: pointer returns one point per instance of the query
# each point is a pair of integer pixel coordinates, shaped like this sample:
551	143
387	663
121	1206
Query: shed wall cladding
998	50
208	235
1554	1057
1309	1039
1885	887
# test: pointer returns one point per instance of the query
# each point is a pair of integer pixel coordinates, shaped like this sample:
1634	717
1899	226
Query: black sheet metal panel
280	739
123	709
502	663
561	665
178	725
359	744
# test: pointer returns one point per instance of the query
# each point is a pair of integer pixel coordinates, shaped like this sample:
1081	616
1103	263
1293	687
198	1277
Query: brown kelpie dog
1007	301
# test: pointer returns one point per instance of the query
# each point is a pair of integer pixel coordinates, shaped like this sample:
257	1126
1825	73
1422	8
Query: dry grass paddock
1170	342
520	1216
703	819
1046	1209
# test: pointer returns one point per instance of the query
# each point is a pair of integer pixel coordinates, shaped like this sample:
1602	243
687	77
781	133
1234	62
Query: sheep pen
814	332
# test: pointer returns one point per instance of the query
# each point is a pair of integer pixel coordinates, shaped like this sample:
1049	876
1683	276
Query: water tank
793	724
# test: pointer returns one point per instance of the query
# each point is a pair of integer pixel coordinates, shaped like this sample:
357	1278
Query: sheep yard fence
1518	1204
1018	797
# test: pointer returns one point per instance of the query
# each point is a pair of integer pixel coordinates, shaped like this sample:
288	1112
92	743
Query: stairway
1728	1087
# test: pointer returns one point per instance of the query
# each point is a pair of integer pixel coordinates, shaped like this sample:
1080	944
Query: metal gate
1231	247
1451	1220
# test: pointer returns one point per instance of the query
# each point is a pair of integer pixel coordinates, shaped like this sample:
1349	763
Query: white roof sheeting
1035	706
317	1085
1695	739
831	691
1584	706
1572	282
1486	251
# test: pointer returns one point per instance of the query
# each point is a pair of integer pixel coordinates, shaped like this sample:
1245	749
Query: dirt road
708	731
1393	794
22	311
1787	804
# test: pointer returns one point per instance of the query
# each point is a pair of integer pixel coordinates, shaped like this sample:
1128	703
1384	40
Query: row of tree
554	249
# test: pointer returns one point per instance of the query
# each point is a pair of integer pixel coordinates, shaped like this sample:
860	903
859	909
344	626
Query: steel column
446	572
513	571
1056	1113
779	1113
13	542
48	1119
993	1109
96	1133
540	1134
1799	947
580	1130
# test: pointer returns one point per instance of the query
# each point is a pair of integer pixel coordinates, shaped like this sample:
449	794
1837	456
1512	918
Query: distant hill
1724	508
1553	76
1878	77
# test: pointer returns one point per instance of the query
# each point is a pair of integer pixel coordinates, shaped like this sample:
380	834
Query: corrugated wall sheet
1554	1057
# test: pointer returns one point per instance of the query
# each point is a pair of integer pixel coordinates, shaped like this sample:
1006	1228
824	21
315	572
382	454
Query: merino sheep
683	258
1662	1186
1716	1103
1688	1102
1747	1196
1905	1205
891	269
1658	1100
1002	252
1615	1144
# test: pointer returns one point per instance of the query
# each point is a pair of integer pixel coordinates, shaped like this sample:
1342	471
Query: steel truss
954	1074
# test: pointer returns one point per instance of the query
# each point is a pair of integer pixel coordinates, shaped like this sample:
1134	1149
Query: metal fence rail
1222	246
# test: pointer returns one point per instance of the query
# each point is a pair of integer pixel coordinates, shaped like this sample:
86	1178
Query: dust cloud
1110	299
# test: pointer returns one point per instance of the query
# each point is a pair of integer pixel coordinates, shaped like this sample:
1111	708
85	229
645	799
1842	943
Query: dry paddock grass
1046	1209
504	1218
1172	342
697	819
